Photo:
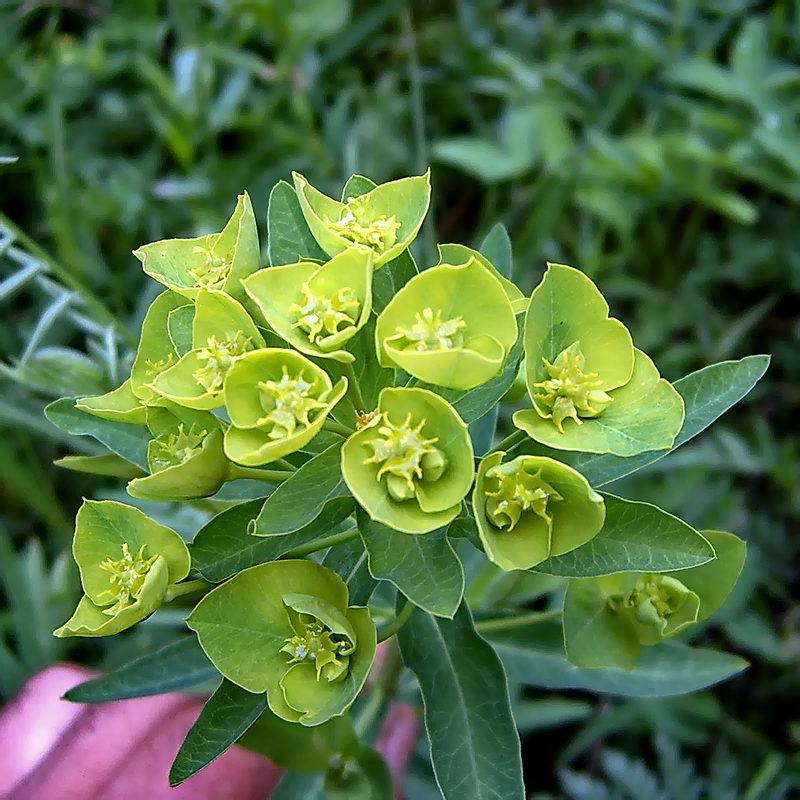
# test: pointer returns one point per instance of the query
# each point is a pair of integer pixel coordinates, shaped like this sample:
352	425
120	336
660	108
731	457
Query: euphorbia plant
333	411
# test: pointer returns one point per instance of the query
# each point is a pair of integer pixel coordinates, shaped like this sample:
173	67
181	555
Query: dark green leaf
229	712
225	546
424	567
474	744
178	665
389	279
349	561
636	537
356	186
299	500
128	441
497	248
535	656
290	239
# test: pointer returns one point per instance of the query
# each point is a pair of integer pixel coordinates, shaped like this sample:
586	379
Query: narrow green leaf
229	712
424	567
128	441
534	656
635	537
300	499
111	465
474	743
178	665
388	280
497	248
707	394
225	546
290	239
349	561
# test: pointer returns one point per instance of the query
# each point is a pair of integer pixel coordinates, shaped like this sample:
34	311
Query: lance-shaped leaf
451	325
119	405
636	537
591	390
425	569
289	239
277	401
534	656
285	628
185	457
411	465
385	219
222	332
474	743
316	308
126	561
156	351
608	619
214	261
461	254
532	508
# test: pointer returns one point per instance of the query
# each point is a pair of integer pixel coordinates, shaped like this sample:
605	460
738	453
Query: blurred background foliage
654	144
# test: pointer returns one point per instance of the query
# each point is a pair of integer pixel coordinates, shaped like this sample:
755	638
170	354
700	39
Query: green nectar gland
218	357
127	578
213	272
330	652
320	316
288	404
174	449
405	457
511	492
655	598
571	393
357	225
431	332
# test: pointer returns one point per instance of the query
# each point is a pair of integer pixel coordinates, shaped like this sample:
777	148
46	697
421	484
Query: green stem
235	472
336	427
519	621
284	464
91	301
180	589
382	692
391	628
321	544
353	389
513	438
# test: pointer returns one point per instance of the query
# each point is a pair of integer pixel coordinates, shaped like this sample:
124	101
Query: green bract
591	390
317	308
127	561
608	619
215	261
294	638
451	325
222	332
411	462
119	405
185	457
532	508
277	401
461	254
385	220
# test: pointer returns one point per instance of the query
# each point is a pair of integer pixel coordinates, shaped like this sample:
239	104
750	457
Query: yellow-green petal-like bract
385	220
411	464
451	325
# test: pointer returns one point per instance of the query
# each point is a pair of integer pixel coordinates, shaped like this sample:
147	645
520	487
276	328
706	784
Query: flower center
571	393
211	273
431	332
405	456
288	403
655	598
174	449
516	492
127	578
218	358
322	316
356	224
153	368
330	652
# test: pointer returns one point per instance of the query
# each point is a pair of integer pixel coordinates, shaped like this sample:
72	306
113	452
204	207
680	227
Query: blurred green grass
654	144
